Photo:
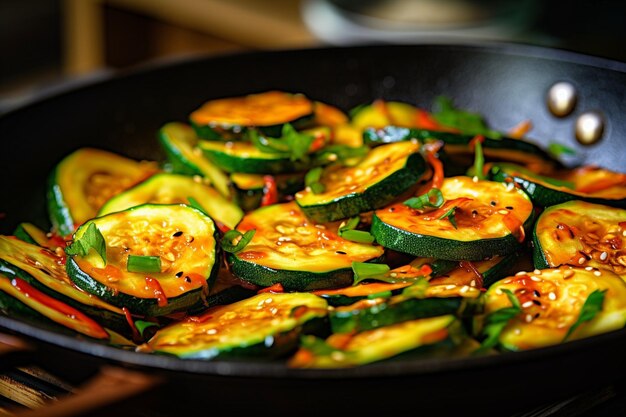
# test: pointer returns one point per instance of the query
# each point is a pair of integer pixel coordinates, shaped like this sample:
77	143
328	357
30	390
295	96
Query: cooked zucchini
30	233
551	301
327	115
591	184
256	326
502	149
181	237
45	271
370	346
382	113
51	308
289	249
248	188
377	180
181	148
226	118
490	219
581	234
176	189
83	181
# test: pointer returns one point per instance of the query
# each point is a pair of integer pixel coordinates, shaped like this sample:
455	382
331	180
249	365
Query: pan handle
109	385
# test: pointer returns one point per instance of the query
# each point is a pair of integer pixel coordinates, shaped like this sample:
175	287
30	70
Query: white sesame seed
507	281
498	291
534	278
624	233
517	331
510	186
537	272
450	287
588	268
520	273
393	274
527	304
475	178
464	289
473	283
552	296
528	318
597	273
581	261
503	212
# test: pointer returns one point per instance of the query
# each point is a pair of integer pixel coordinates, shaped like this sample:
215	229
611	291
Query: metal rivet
562	99
589	127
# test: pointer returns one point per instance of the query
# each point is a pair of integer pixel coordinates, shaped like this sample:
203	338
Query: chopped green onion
312	180
346	231
142	325
450	216
557	149
425	200
469	123
591	308
138	263
195	204
292	143
364	270
242	240
497	321
477	169
91	239
382	294
417	290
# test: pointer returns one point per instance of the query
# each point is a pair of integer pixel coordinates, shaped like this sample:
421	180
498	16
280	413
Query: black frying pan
505	82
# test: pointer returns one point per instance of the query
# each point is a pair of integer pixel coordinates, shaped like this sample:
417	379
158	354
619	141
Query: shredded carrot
519	131
276	288
437	166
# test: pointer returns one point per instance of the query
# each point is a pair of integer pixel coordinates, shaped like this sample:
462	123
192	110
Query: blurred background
48	44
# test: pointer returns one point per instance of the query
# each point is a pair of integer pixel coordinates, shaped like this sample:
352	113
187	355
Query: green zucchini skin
383	314
191	299
542	194
391	134
238	132
375	196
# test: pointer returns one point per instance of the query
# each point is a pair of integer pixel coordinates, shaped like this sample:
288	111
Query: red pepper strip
96	330
270	191
437	166
156	288
475	139
131	324
523	127
515	226
276	288
222	227
470	267
318	142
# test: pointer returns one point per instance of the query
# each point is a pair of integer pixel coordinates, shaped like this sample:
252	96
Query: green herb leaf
591	308
382	294
469	123
91	239
477	169
292	143
138	263
242	240
557	149
347	232
425	200
450	216
364	270
417	290
312	180
142	325
497	321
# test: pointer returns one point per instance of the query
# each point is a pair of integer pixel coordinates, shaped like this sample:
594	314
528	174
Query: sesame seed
473	283
177	234
517	331
509	207
179	274
603	256
552	296
474	179
581	261
527	304
493	203
520	273
507	281
464	289
340	252
597	273
187	279
450	287
528	318
588	268
503	212
534	278
536	293
510	186
537	272
393	274
568	274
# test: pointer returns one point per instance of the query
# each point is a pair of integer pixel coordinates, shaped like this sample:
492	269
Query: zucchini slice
180	144
30	233
45	271
268	111
591	184
384	113
507	149
551	301
84	180
251	327
377	180
490	219
289	249
176	189
247	158
51	308
181	236
327	115
340	351
248	188
581	234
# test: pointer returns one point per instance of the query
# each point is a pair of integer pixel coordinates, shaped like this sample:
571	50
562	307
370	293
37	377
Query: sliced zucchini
247	158
182	237
51	308
44	270
507	149
375	345
382	113
591	184
249	188
30	233
83	181
250	327
551	301
581	234
289	249
180	144
176	189
377	180
490	219
327	115
269	111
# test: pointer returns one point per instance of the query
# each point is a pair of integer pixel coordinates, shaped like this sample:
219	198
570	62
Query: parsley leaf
467	122
497	321
450	216
312	180
91	239
243	240
591	308
292	143
425	200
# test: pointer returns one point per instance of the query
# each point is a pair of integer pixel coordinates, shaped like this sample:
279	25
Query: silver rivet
589	127
562	99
